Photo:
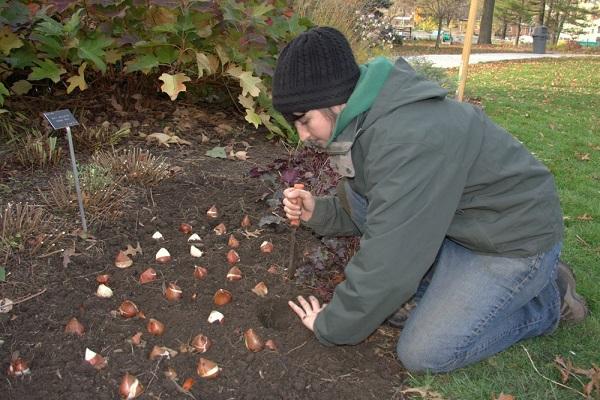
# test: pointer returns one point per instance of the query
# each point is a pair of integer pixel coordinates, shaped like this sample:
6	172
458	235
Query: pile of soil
300	368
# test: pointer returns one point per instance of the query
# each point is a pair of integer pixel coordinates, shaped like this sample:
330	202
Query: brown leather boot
573	307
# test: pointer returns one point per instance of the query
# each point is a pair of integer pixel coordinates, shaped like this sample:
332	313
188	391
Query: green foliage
233	43
439	75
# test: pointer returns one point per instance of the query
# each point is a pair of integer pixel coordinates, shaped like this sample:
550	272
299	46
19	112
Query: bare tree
487	19
440	10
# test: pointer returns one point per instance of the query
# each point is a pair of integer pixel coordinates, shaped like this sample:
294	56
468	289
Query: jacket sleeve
413	191
330	219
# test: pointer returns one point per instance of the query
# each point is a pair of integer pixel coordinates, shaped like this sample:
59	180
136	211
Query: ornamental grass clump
22	227
134	165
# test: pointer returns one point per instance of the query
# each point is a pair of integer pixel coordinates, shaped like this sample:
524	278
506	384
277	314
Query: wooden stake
462	72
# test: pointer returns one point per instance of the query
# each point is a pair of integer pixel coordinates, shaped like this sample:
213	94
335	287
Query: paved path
453	60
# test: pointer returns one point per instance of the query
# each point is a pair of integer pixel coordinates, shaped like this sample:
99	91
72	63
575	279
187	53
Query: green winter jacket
430	167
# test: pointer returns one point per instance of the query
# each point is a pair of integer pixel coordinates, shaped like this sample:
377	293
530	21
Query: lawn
552	106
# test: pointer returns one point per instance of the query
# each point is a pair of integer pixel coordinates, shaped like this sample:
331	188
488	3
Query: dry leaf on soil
164	140
173	84
132	251
583	156
67	254
585	217
424	392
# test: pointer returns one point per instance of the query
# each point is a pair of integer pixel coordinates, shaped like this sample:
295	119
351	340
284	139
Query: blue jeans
471	306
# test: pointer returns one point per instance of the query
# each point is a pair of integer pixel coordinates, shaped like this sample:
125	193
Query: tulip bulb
155	327
222	297
266	247
163	256
128	309
260	289
136	339
233	242
130	387
75	327
157	236
161	351
122	260
185	228
207	369
245	221
104	291
200	272
220	229
194	238
173	292
273	269
195	252
187	384
215	316
148	275
201	343
95	359
18	367
233	257
234	274
212	212
170	373
271	345
253	341
104	278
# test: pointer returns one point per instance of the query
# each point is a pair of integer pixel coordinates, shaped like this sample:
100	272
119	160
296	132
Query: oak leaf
248	84
173	84
164	140
78	80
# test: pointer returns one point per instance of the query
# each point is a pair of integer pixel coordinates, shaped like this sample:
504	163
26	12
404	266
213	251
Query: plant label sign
61	119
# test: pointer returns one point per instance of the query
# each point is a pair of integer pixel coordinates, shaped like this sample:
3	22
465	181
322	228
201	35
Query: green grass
553	107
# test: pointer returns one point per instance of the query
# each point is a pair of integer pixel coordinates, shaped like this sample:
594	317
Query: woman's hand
307	311
304	210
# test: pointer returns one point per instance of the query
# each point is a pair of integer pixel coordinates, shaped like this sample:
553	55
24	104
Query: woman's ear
338	109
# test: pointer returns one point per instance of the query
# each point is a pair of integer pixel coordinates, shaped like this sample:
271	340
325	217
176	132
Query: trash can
540	35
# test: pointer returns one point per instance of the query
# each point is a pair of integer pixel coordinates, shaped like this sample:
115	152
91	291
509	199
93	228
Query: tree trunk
504	29
518	32
439	31
487	19
541	12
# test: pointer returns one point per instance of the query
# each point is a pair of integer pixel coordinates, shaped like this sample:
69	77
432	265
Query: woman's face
316	126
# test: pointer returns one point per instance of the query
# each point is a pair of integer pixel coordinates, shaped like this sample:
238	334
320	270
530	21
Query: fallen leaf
132	251
67	254
252	234
163	139
505	397
115	104
585	217
424	392
583	156
241	155
6	305
270	219
217	152
78	81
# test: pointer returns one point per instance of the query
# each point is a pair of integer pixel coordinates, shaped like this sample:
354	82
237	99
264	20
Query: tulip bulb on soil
95	359
233	242
163	256
103	279
212	212
215	316
18	367
157	236
200	272
234	274
246	221
195	252
130	387
270	344
173	292
260	289
161	351
194	238
253	341
220	229
104	291
266	247
222	297
201	343
75	327
187	384
155	327
148	275
185	228
122	260
233	257
128	309
207	369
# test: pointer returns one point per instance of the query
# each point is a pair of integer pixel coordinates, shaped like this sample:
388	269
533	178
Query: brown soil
301	368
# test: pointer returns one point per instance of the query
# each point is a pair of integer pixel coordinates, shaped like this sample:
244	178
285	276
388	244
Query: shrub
231	43
439	75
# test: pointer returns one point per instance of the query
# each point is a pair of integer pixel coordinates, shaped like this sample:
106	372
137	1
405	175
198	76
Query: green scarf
372	77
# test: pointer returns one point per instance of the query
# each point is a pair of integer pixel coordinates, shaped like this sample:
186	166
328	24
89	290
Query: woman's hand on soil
304	210
307	311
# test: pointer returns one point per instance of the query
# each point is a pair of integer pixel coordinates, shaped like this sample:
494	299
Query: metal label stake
64	119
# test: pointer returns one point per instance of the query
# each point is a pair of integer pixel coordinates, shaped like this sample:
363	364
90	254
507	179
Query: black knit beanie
315	70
